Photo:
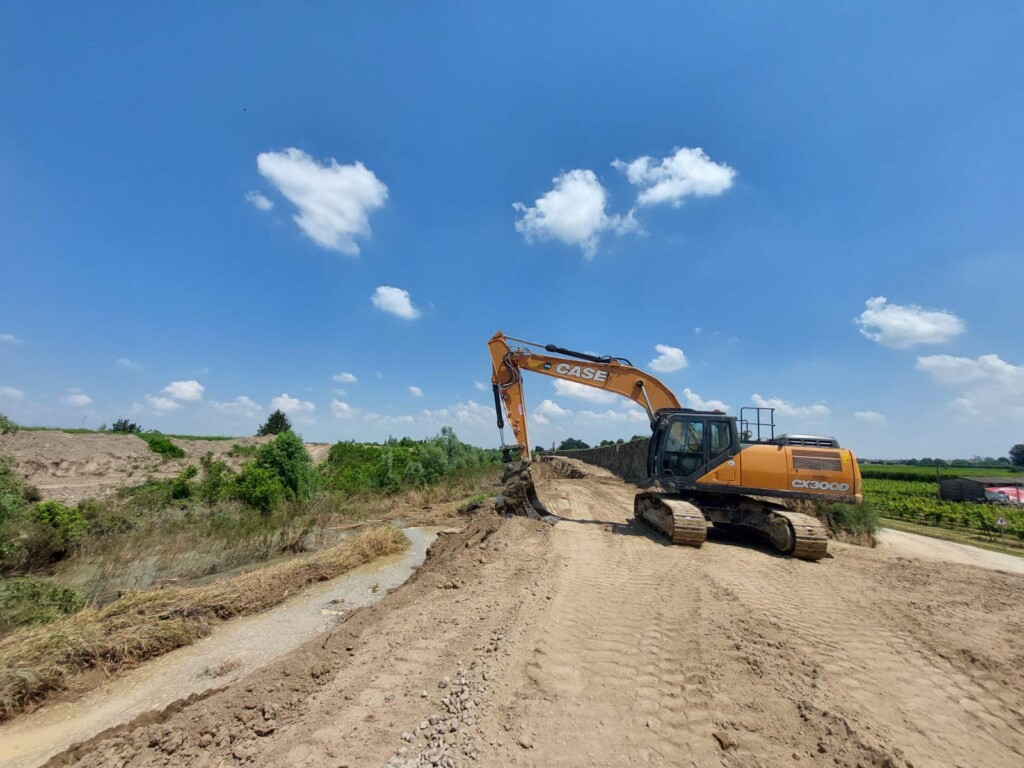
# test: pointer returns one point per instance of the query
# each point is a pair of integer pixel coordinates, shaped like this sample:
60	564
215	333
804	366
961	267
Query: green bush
857	520
7	426
126	427
217	482
12	490
67	523
27	601
276	424
159	443
243	450
259	488
286	458
399	464
181	486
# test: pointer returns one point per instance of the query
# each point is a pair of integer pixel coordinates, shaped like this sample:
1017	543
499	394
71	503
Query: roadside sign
1001	522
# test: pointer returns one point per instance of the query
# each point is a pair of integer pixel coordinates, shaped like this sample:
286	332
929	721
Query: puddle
233	651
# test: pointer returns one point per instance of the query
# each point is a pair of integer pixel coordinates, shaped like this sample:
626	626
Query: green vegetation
402	464
142	625
275	424
1017	455
159	443
243	450
853	522
927	473
916	500
27	601
126	427
572	444
7	426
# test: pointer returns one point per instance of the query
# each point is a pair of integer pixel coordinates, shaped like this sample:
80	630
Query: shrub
217	482
127	427
159	443
67	523
275	424
243	450
27	601
7	426
181	487
12	491
858	521
286	457
259	488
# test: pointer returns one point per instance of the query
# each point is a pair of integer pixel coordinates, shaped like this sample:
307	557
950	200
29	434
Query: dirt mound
72	467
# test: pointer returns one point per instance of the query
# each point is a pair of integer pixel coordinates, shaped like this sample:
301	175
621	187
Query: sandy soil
925	547
594	643
73	467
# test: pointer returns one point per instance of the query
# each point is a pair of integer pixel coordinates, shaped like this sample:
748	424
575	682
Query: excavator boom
607	373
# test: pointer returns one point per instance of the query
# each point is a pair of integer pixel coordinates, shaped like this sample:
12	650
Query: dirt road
593	643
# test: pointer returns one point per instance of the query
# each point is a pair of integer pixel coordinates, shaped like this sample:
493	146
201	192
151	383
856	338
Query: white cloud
11	393
689	172
396	301
573	211
378	374
130	365
161	404
669	359
785	408
77	398
287	404
481	386
695	401
416	391
259	201
995	388
342	410
9	339
186	391
240	406
344	378
899	326
340	392
334	201
871	417
550	408
583	392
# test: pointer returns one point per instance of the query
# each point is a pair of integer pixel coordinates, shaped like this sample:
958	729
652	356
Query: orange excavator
703	467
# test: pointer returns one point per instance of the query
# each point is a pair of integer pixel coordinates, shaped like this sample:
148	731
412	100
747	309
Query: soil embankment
73	467
593	642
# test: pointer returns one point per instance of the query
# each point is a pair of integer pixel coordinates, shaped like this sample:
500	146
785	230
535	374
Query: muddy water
232	652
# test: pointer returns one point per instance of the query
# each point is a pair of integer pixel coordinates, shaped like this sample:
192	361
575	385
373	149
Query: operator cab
688	444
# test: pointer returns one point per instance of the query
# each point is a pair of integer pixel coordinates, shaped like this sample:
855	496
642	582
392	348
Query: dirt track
594	643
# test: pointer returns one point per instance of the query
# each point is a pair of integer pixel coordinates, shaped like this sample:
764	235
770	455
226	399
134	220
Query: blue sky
778	168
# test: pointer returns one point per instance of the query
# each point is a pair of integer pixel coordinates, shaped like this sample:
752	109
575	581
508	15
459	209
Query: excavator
703	467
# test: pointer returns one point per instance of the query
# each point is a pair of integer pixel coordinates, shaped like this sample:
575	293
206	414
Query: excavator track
798	535
679	520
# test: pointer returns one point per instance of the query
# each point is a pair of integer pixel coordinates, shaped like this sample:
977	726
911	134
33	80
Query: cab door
684	448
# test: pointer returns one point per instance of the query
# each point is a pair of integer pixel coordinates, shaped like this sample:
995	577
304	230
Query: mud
594	643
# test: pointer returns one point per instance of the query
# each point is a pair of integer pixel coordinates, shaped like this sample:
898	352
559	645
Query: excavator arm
611	374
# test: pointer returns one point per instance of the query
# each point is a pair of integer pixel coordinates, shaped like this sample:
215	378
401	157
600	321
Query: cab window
720	438
684	447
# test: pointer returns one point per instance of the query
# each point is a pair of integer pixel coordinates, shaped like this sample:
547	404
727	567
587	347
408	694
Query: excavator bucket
520	497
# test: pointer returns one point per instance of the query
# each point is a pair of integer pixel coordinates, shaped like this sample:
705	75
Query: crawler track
682	522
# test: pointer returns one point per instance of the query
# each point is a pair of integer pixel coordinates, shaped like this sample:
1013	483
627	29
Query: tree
276	423
1017	455
286	457
125	426
572	444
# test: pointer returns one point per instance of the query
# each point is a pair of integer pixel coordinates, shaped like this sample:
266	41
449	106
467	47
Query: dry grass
37	661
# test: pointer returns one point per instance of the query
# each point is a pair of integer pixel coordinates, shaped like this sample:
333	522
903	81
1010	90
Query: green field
916	501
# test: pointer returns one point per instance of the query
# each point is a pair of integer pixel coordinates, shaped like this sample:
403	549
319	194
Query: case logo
579	372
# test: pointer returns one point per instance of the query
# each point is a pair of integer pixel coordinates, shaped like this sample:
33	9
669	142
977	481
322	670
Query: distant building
981	489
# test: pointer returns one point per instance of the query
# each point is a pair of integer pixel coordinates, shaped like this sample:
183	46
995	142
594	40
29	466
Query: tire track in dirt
659	654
